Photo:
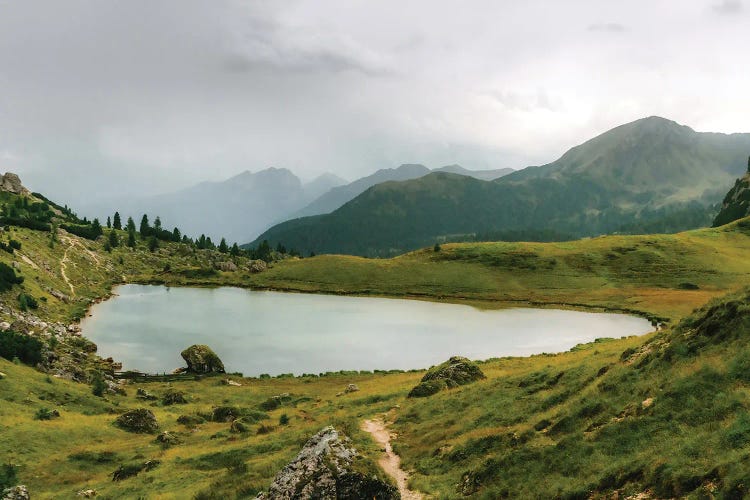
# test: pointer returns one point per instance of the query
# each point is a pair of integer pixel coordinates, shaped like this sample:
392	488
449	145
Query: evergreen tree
96	228
131	238
202	242
157	225
185	239
176	235
235	250
210	244
114	241
116	222
153	244
223	248
109	223
145	229
131	225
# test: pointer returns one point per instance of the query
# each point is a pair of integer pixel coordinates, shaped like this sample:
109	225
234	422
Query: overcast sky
100	97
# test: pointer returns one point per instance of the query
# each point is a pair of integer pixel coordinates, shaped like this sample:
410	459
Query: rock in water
140	420
324	470
454	372
201	359
11	183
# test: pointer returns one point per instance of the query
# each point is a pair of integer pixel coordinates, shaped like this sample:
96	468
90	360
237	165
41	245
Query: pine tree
114	241
223	248
131	225
145	229
202	242
116	222
176	235
109	223
157	225
131	238
153	244
235	250
96	229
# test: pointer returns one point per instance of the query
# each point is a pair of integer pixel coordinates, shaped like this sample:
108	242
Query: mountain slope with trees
651	175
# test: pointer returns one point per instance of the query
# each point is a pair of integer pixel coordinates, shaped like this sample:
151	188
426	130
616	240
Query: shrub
173	397
284	419
8	277
98	385
7	476
46	414
26	302
15	345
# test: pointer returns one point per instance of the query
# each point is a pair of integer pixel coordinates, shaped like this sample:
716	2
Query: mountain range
651	175
241	207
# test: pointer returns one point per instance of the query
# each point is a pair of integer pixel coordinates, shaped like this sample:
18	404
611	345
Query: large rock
19	492
140	420
258	266
201	359
324	470
453	373
226	266
11	183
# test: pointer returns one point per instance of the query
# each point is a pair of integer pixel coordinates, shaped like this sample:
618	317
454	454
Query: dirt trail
390	462
64	266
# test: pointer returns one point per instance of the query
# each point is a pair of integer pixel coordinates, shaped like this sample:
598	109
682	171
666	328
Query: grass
667	412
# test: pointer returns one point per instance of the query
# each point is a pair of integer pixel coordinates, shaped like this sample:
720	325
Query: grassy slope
442	437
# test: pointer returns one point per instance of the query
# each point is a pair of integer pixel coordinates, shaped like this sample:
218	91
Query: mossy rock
173	397
140	420
226	413
191	420
275	402
201	359
455	372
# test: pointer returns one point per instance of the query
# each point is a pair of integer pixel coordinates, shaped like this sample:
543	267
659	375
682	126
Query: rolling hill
651	175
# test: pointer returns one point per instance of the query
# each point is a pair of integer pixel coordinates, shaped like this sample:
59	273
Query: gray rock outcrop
453	373
140	420
201	359
11	183
19	492
324	469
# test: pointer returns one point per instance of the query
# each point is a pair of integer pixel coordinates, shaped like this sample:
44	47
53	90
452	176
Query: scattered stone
226	266
324	469
140	420
351	388
190	420
131	470
173	397
87	493
238	427
2	375
19	492
646	403
258	266
231	382
201	359
5	326
167	439
275	402
453	373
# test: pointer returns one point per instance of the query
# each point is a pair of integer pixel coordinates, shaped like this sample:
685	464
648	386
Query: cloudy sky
102	97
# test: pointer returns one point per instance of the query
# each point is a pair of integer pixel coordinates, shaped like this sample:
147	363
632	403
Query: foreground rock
140	420
201	359
326	468
19	492
453	373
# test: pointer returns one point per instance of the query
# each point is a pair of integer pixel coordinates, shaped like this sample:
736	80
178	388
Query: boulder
2	375
140	420
324	469
226	266
453	373
173	397
201	359
145	395
351	388
167	439
4	326
19	492
258	266
11	183
87	493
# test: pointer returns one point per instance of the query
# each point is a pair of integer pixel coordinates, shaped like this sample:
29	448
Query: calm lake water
146	327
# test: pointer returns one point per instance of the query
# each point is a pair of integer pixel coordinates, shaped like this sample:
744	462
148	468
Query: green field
665	413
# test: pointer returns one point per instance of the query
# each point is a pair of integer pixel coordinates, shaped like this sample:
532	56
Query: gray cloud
728	7
100	99
607	27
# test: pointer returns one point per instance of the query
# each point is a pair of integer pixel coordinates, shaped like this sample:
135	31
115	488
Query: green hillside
648	176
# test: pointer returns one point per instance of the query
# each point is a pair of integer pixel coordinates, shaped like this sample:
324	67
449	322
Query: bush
26	302
7	476
98	385
173	397
46	414
284	419
8	277
16	345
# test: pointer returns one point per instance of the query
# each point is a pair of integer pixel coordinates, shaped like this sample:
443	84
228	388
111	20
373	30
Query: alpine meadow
284	250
